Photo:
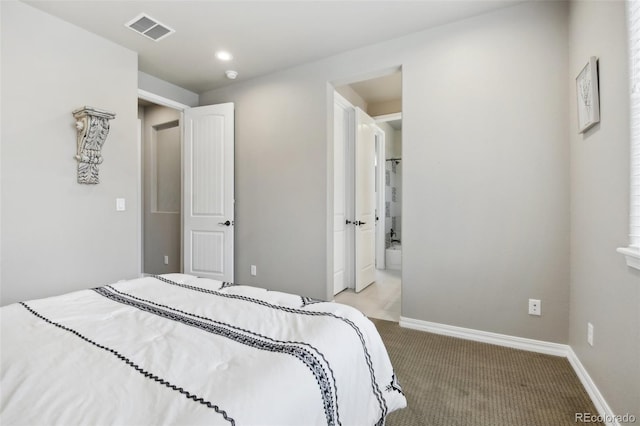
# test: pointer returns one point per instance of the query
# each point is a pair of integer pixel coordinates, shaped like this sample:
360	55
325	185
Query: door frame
380	197
170	103
381	243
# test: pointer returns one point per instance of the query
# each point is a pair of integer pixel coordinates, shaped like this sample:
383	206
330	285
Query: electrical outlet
166	260
253	270
534	307
590	333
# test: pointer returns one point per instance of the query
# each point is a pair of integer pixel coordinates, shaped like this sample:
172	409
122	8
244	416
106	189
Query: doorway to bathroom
375	104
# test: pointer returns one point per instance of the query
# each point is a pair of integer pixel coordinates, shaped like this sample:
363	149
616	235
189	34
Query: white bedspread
183	350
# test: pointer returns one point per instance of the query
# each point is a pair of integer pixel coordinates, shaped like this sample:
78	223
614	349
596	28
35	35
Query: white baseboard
596	397
531	345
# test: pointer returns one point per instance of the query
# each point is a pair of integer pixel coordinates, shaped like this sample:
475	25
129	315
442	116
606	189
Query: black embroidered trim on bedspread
136	367
376	389
225	330
333	380
309	301
394	385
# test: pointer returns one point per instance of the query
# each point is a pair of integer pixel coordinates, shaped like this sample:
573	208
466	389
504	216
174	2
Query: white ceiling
263	36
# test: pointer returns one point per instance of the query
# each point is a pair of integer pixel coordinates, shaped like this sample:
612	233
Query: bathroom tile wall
393	196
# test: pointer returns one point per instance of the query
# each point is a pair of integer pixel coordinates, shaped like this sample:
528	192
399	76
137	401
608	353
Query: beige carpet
455	382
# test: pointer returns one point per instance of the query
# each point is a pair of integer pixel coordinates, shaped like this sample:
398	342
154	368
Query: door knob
357	222
227	223
348	222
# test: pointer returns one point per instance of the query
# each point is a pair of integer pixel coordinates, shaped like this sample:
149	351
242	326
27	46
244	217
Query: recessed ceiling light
231	74
224	55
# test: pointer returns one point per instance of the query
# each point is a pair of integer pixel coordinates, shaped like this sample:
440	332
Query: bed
177	349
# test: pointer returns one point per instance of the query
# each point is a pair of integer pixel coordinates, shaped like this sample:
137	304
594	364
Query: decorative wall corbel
92	125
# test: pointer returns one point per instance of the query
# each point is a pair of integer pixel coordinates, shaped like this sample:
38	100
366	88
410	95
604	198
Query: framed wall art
587	95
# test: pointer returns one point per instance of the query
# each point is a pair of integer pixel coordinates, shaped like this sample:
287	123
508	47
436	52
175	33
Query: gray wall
280	182
167	90
161	229
604	291
58	235
485	177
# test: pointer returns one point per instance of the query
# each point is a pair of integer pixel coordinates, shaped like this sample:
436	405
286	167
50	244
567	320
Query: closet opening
161	188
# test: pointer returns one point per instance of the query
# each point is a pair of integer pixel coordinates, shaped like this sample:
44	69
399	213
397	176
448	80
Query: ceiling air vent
149	27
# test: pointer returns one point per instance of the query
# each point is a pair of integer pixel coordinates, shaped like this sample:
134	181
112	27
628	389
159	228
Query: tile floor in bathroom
380	300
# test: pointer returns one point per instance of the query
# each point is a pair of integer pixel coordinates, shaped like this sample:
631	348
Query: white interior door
380	193
365	200
208	191
343	116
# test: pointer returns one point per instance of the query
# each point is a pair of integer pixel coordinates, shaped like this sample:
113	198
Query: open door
365	200
208	191
343	246
380	198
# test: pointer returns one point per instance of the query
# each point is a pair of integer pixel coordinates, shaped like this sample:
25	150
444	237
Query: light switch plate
120	205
